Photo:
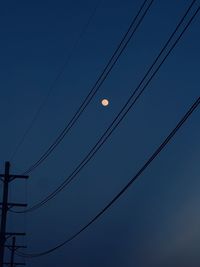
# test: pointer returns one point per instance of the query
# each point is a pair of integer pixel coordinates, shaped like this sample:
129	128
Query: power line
155	154
125	109
52	87
106	71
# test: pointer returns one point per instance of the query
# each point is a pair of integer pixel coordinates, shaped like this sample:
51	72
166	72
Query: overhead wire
153	156
96	87
53	85
125	109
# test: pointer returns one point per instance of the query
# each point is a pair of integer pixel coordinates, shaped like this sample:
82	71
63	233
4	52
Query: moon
105	102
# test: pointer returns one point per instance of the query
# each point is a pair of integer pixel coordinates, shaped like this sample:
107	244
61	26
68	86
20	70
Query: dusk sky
52	53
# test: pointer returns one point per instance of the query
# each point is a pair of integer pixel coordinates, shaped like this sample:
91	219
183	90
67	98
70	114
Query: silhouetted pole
13	252
13	247
4	212
6	179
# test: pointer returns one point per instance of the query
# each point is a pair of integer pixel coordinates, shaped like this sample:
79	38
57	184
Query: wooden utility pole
6	179
13	251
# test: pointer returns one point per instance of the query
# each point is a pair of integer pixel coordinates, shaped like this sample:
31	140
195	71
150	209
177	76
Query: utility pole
13	248
13	251
6	179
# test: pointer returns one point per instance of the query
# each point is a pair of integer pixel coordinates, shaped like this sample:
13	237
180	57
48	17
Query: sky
156	222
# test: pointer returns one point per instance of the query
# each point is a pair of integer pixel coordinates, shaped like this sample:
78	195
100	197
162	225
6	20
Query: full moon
105	102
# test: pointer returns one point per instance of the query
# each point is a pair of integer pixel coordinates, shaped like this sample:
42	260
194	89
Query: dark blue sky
156	223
